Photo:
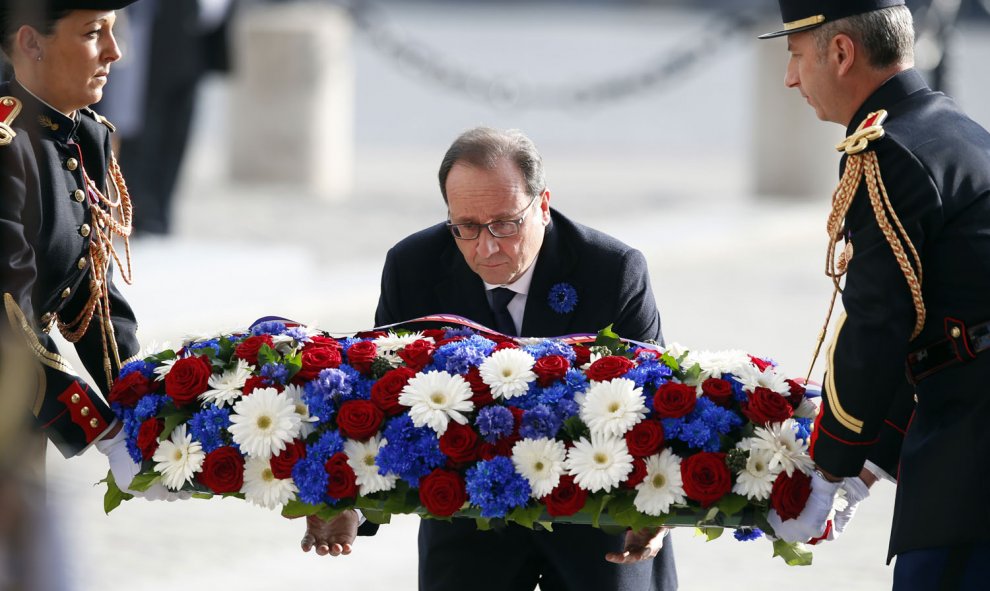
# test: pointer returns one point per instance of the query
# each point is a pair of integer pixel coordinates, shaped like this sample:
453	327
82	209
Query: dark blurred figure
935	25
186	40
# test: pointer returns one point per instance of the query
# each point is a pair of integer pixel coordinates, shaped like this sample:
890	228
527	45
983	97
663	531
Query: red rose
437	334
249	347
482	392
342	482
551	368
566	499
504	343
796	394
359	419
371	334
129	389
502	447
253	383
706	477
645	439
316	358
610	367
223	470
760	364
442	492
417	354
637	475
459	443
673	401
718	391
766	406
187	379
790	494
147	438
286	459
583	355
385	392
361	355
322	341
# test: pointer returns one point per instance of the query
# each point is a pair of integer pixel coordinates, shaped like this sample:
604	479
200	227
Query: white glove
813	519
856	492
124	469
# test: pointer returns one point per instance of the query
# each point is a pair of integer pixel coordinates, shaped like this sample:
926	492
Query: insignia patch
47	122
9	109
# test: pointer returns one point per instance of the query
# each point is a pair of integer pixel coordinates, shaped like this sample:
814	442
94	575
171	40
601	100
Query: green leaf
668	360
293	364
793	553
608	339
483	523
266	355
711	533
202	495
144	480
173	418
595	506
402	500
575	429
114	496
327	512
166	355
526	516
375	516
732	503
547	525
693	373
712	513
226	349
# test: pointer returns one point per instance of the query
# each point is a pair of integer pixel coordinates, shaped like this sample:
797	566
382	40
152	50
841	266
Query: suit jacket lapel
557	258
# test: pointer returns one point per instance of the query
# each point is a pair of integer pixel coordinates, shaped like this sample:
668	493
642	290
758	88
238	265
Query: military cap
14	13
802	15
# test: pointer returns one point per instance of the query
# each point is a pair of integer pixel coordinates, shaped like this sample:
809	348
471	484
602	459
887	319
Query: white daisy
755	481
599	464
541	462
780	442
508	372
262	488
435	398
662	486
264	422
178	458
391	342
307	421
162	370
361	456
752	378
611	408
715	363
808	409
227	387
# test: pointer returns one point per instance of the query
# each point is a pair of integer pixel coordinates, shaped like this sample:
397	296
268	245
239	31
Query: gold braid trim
859	165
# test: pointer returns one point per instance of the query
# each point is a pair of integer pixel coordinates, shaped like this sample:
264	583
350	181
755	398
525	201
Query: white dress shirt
517	306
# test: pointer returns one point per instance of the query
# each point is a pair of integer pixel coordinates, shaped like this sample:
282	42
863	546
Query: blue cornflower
738	393
746	534
209	425
566	409
459	357
495	422
145	367
563	298
210	344
298	334
328	444
551	347
321	394
275	373
411	453
649	371
458	332
540	421
703	427
555	394
359	385
149	406
804	428
496	487
268	327
311	478
576	380
130	428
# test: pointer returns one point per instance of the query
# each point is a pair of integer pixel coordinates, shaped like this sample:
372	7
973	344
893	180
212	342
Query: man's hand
333	537
641	545
812	521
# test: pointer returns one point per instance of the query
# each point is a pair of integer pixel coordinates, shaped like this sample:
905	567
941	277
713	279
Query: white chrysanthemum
662	486
541	462
262	488
715	363
808	409
264	422
780	442
612	407
227	387
307	421
435	398
676	350
178	458
599	464
391	342
152	348
755	481
508	372
752	378
361	456
595	356
162	370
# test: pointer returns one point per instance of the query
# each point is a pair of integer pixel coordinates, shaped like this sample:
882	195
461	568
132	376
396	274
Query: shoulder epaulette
871	129
101	119
10	107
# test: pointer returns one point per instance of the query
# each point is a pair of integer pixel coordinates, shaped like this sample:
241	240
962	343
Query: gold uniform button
71	164
8	102
66	292
79	195
84	230
84	411
94	423
82	263
955	332
75	399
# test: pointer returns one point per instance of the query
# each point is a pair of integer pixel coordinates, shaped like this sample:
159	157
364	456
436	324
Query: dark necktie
501	296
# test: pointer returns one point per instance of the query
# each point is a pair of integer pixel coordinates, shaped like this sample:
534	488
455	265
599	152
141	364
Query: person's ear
545	206
843	53
30	43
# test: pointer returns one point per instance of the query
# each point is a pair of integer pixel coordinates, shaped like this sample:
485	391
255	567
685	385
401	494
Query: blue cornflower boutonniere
562	298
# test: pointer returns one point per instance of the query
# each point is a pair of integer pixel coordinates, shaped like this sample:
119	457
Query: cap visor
784	32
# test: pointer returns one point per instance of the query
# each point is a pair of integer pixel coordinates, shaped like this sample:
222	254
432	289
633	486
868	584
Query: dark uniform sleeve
637	317
866	390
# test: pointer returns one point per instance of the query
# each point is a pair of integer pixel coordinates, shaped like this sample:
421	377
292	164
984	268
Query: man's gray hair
484	147
887	35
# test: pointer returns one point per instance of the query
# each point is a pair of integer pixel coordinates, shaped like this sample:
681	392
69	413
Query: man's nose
487	244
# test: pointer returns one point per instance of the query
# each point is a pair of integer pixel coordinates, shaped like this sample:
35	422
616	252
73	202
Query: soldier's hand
812	521
640	545
334	537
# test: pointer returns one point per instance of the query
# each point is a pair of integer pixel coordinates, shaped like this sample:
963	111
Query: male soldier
913	208
497	261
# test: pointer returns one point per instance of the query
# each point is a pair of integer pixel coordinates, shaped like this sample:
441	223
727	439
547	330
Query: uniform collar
49	120
897	88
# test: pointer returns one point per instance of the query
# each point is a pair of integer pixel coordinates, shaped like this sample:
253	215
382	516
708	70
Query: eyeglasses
498	228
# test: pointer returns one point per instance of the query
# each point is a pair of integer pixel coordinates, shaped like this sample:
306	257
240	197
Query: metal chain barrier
504	92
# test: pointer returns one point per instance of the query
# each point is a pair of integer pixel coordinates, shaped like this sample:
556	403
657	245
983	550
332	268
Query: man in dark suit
913	204
500	260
